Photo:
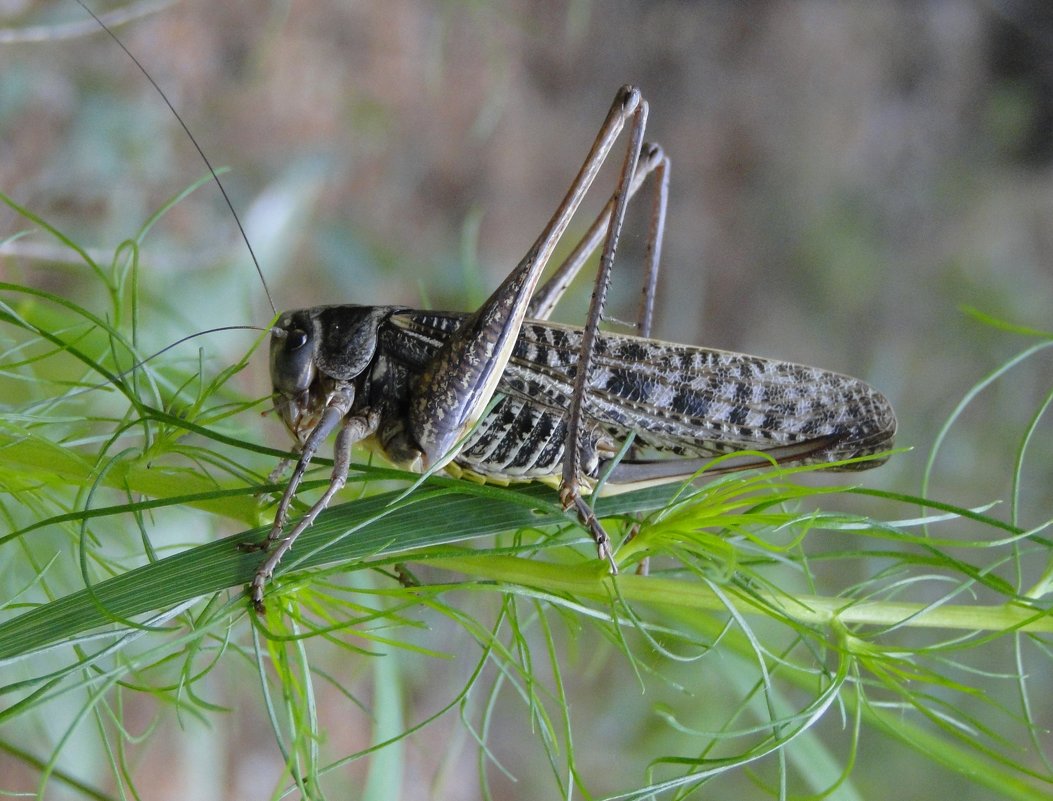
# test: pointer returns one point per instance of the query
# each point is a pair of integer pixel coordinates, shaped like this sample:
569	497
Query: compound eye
297	339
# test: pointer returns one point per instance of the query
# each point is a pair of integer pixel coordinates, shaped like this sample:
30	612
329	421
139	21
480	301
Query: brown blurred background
845	177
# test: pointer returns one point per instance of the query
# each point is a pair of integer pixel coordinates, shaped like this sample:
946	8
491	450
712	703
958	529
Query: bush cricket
500	394
503	395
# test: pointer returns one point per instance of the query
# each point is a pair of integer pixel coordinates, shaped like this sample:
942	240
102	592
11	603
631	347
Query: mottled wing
684	405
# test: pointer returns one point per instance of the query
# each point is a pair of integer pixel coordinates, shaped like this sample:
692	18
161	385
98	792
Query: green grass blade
433	516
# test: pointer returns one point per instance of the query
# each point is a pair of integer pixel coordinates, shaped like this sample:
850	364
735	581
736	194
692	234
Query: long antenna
111	379
193	140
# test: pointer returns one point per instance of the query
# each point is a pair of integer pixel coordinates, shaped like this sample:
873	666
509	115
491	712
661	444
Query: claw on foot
568	498
256	593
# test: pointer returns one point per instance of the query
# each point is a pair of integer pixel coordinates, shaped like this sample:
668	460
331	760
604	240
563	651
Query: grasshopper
501	394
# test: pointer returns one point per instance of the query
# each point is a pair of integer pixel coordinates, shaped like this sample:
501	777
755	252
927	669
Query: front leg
354	428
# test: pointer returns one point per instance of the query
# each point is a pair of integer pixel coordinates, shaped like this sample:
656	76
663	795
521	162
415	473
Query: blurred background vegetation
845	178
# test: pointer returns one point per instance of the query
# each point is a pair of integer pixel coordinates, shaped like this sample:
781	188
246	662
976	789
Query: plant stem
596	584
